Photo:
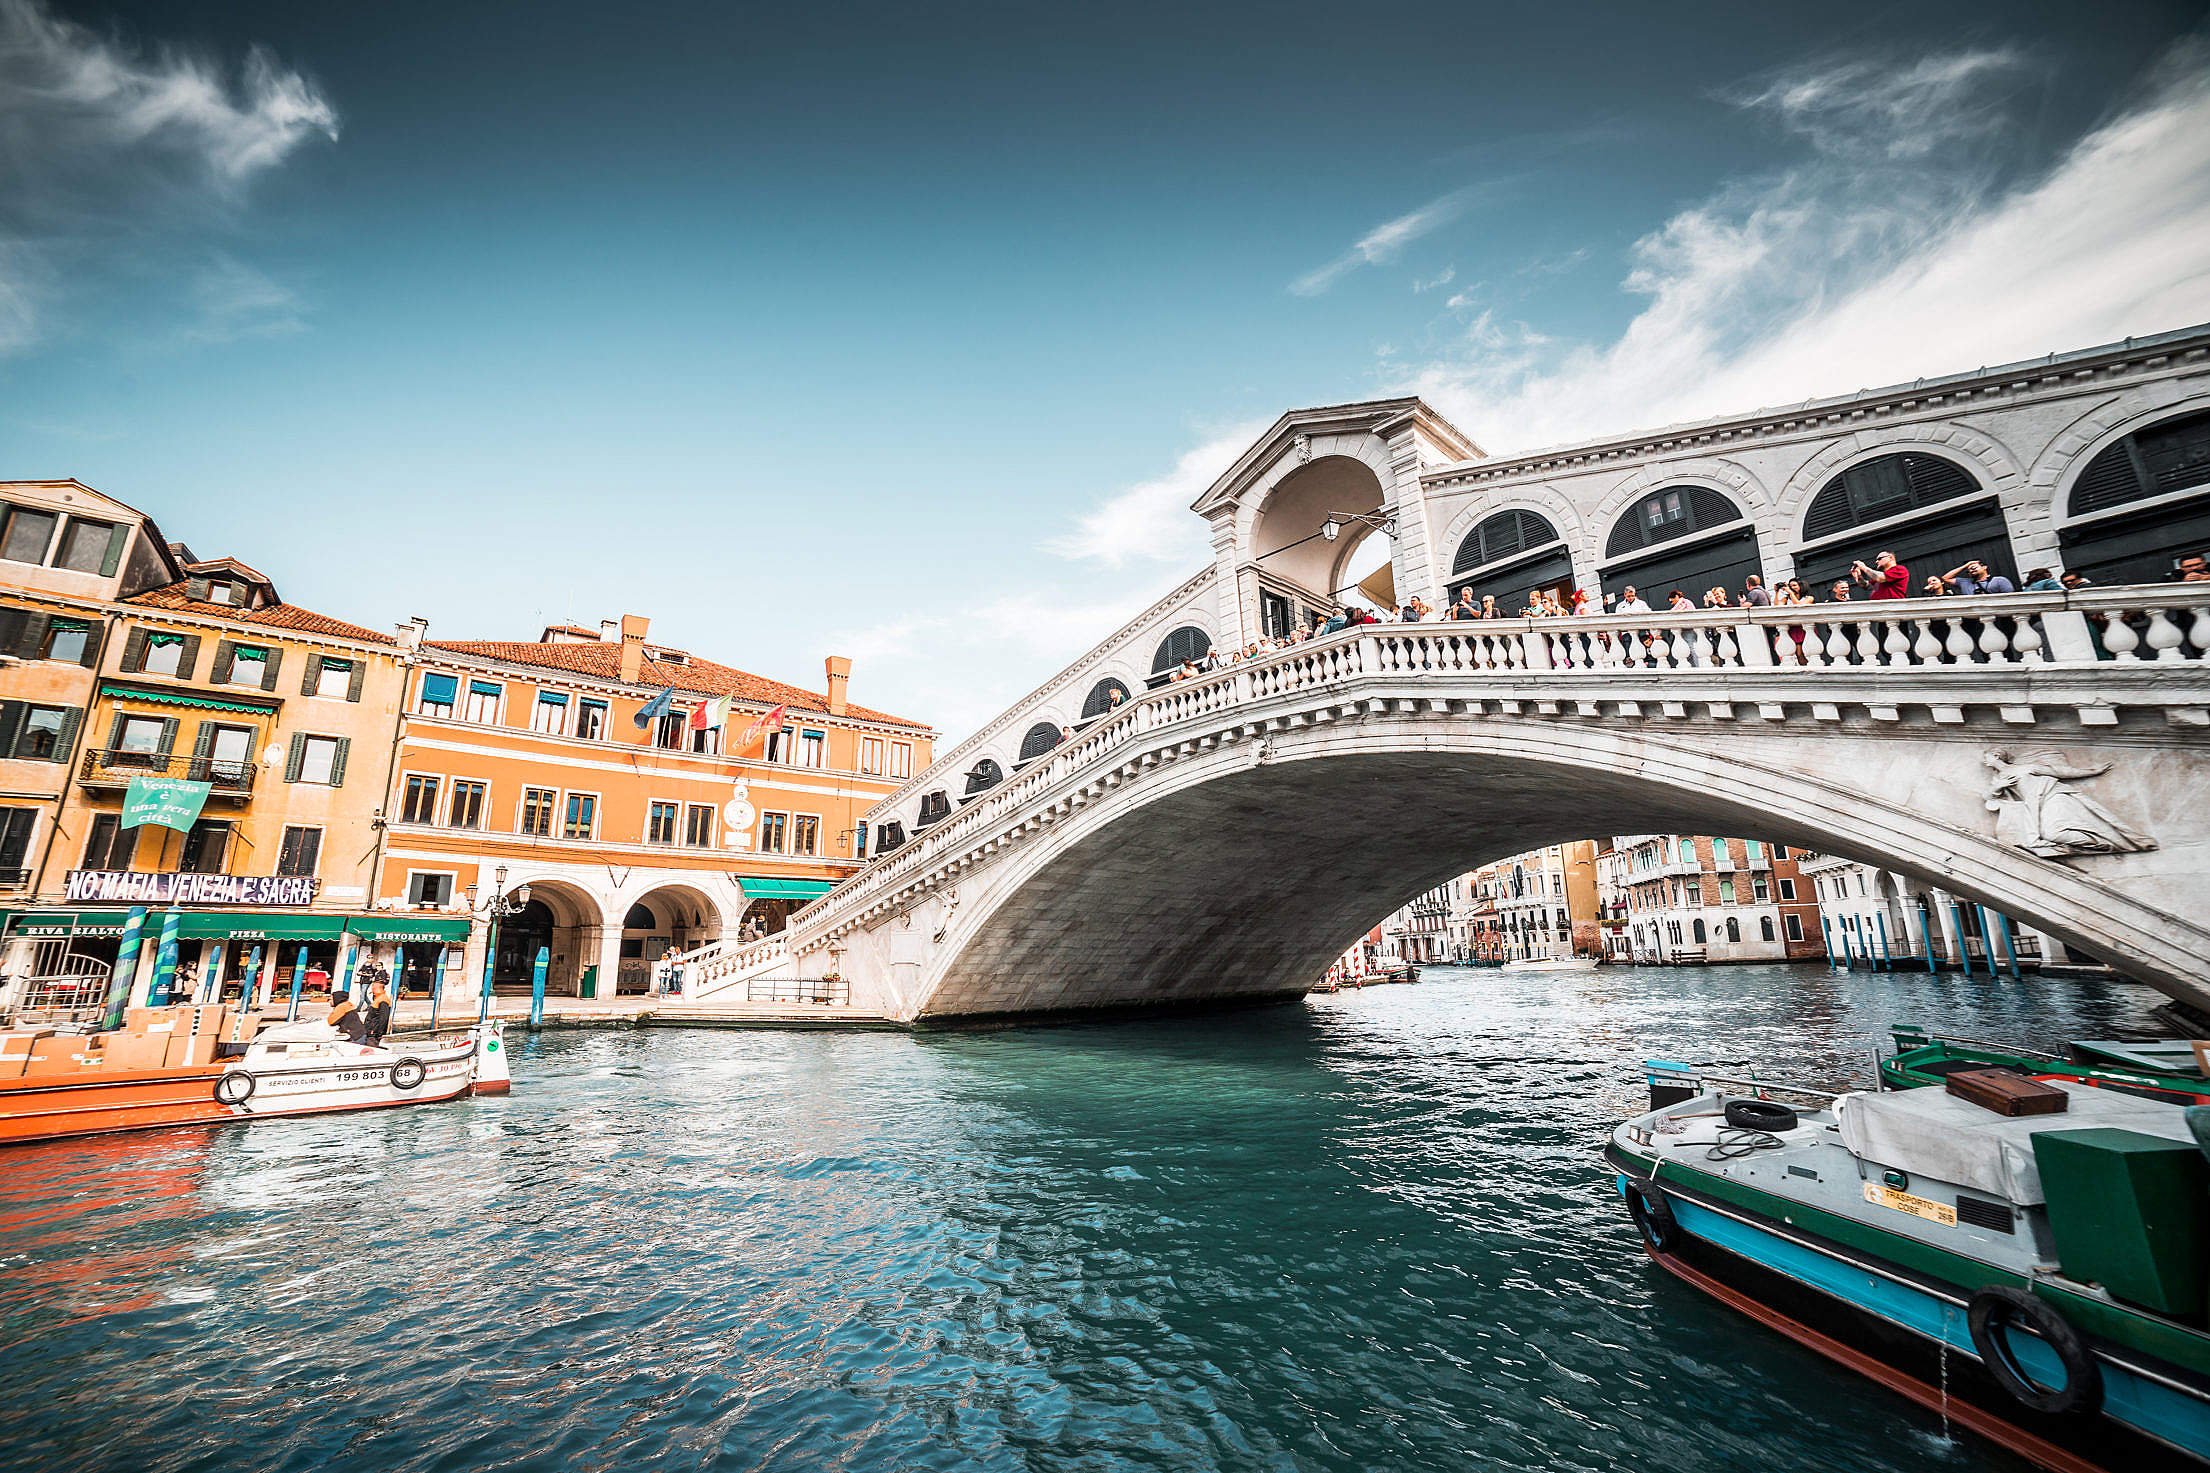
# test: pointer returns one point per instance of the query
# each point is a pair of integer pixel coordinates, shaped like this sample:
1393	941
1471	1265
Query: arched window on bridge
1687	537
1509	556
1927	510
1041	738
935	808
2140	503
1101	698
983	776
889	836
1186	643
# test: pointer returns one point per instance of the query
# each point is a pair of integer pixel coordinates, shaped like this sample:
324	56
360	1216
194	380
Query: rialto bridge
1124	838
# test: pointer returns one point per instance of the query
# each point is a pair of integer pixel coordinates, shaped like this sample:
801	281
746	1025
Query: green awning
190	698
407	928
65	923
251	925
756	888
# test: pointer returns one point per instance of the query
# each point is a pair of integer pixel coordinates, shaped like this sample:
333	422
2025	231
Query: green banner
170	802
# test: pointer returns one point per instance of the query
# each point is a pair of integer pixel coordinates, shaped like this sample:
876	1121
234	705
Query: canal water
1369	1232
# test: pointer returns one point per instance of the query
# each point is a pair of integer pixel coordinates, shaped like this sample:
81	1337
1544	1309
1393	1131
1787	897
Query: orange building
609	776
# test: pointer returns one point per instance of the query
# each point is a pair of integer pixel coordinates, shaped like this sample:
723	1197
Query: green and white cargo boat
2041	1280
2164	1070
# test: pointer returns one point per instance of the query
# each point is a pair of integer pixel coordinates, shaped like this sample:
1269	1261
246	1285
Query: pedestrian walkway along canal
1369	1232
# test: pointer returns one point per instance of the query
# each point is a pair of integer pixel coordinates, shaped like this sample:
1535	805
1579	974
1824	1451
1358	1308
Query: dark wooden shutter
203	745
188	658
337	762
195	589
225	654
295	757
134	651
31	643
11	726
274	663
314	673
168	735
11	627
65	739
115	732
95	635
353	685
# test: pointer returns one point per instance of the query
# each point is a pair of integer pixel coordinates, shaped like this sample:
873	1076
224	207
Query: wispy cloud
1150	522
106	146
1877	258
1382	243
1443	278
233	300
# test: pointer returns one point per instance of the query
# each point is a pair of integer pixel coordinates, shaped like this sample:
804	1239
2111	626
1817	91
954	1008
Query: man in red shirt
1886	578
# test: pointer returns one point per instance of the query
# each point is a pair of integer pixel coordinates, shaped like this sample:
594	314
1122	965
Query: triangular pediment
1382	417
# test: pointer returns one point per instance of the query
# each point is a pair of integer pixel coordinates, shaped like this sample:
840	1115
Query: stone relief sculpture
2036	809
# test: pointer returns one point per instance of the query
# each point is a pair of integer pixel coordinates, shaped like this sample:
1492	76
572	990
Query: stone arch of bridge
1283	533
1239	873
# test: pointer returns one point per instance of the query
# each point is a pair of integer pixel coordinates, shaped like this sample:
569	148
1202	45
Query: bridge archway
1288	542
1240	872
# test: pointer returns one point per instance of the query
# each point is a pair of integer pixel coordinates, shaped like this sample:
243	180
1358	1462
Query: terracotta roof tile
695	675
275	616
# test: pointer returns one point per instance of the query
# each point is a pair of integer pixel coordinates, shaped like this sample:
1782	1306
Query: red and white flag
757	731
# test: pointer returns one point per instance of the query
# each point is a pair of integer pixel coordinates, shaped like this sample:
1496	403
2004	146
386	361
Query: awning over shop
756	888
241	705
408	928
64	923
253	925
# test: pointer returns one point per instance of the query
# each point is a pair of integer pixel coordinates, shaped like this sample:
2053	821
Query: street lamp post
496	909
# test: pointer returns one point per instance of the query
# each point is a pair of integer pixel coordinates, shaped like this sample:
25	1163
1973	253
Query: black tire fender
1760	1115
1992	1315
1652	1214
408	1073
235	1087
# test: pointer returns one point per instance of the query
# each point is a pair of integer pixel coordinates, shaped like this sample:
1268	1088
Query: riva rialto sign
142	887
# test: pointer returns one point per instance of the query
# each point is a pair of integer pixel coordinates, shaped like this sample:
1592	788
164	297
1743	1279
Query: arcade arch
1684	535
1931	511
667	915
560	918
1511	555
2139	502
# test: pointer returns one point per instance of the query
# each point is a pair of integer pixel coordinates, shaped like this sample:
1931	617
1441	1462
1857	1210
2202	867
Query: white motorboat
310	1069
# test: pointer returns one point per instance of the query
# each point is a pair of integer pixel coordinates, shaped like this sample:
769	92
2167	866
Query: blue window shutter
439	690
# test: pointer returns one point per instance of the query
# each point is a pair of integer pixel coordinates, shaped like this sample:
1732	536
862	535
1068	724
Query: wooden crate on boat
2006	1093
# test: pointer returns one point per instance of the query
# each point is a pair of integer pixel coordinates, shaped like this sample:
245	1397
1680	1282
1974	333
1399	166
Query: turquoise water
1369	1232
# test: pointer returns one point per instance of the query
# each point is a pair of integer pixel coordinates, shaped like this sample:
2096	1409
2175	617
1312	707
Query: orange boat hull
45	1107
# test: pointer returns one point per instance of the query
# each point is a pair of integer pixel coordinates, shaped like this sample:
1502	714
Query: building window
429	889
668	732
67	639
870	755
108	845
805	834
249	666
84	546
591	720
334	679
582	816
1765	927
859	841
901	759
482	705
1734	930
813	749
300	855
1726	892
706	739
1699	933
27	536
205	845
537	812
1756	850
317	759
1759	890
773	826
164	654
467	809
223	592
1787	889
47	732
550	714
778	746
1795	928
660	823
419	805
438	694
15	845
1041	738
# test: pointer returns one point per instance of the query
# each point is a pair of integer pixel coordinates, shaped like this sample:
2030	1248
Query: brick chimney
840	676
633	646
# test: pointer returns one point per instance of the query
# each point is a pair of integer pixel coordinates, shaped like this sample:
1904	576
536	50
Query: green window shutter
189	659
115	733
204	744
168	735
295	758
32	642
94	638
225	653
314	673
65	740
113	557
337	763
134	651
274	663
11	726
360	672
195	589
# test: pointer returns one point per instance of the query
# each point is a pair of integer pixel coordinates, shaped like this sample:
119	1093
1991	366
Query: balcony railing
15	879
104	766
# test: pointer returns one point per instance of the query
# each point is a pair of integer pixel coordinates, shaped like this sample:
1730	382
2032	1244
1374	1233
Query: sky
910	332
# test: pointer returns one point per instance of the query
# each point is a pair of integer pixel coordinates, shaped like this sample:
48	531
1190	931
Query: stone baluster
1868	645
2025	640
1957	643
2198	632
1994	643
1630	649
1702	647
2165	636
2118	636
1729	651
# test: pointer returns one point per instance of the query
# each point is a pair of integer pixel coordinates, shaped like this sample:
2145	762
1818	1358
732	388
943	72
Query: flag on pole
659	705
757	731
718	712
701	716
